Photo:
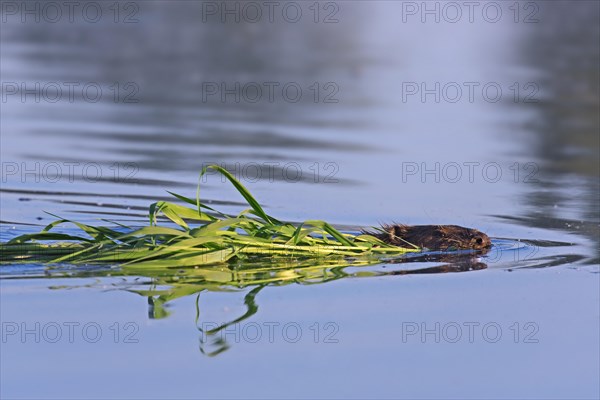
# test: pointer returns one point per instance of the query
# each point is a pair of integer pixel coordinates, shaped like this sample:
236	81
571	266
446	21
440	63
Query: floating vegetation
216	239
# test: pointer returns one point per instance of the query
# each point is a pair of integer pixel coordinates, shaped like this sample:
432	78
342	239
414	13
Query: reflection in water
161	286
173	128
172	131
566	52
197	281
173	124
211	341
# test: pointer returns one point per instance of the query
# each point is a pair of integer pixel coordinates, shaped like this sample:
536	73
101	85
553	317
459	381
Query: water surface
521	321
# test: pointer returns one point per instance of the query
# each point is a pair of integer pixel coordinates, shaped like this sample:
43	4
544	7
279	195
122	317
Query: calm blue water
358	113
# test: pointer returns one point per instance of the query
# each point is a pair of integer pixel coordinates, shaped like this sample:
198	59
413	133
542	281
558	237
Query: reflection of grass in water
168	284
219	239
222	253
246	276
201	280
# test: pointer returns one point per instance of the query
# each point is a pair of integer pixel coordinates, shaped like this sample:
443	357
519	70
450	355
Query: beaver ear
399	230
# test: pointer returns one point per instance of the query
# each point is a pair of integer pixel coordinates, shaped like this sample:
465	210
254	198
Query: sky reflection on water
369	150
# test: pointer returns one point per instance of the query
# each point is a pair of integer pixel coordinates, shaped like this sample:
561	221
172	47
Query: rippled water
491	125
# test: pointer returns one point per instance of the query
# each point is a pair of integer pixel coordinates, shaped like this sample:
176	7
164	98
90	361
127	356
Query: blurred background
483	114
353	112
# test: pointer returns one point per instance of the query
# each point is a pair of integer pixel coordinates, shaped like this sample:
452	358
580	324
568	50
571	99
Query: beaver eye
479	240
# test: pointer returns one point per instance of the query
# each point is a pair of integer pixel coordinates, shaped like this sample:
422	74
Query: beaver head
435	237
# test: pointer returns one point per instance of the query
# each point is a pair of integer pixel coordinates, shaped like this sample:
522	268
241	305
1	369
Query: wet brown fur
433	237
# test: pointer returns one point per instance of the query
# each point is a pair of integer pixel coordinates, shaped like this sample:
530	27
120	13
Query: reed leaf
245	239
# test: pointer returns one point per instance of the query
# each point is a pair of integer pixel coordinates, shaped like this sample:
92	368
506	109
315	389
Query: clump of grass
214	238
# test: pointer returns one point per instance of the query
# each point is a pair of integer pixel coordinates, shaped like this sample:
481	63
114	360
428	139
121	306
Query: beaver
433	237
